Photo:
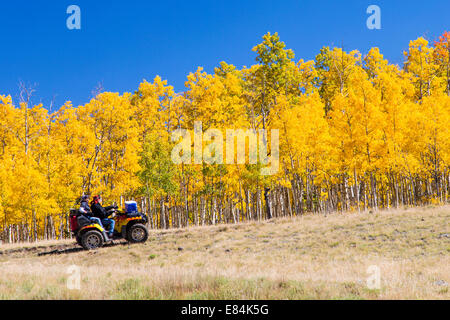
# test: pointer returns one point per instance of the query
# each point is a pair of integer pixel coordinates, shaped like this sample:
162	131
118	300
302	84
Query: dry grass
309	257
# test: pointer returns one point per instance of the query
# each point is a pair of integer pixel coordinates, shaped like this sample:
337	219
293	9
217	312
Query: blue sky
123	42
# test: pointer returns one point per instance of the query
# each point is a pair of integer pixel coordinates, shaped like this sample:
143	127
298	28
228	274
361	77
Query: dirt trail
50	249
37	250
42	249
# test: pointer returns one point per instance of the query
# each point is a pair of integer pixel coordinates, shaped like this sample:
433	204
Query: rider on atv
103	213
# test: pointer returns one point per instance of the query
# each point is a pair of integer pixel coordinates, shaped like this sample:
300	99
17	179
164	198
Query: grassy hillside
309	257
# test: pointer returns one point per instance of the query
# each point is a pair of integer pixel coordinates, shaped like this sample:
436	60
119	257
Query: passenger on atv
103	213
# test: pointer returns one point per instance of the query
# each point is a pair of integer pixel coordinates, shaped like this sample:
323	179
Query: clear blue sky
123	42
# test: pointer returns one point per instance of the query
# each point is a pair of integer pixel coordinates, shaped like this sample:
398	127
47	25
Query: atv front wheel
137	233
92	240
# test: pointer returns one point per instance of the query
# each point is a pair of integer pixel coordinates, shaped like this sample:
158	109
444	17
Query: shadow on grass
76	248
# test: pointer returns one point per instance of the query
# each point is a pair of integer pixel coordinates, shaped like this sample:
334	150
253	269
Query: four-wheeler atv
90	235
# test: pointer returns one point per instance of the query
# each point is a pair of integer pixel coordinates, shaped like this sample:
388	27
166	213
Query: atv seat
83	221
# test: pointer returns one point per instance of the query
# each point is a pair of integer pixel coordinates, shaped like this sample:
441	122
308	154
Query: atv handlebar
111	211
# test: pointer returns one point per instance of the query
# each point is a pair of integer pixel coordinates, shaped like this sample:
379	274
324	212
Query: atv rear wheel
78	238
92	240
137	233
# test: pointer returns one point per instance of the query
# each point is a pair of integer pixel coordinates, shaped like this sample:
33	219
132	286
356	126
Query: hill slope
309	257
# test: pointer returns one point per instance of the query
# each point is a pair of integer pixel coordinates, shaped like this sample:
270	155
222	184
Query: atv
90	235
